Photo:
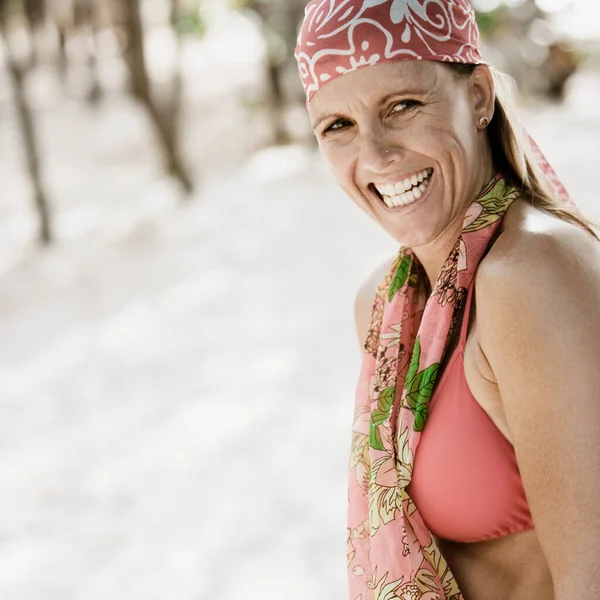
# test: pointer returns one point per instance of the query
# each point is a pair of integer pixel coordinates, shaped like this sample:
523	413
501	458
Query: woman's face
403	141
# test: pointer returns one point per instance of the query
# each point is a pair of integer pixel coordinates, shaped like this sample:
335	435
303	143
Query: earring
484	122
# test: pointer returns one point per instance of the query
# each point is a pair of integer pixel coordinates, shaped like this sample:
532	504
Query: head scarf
340	36
391	553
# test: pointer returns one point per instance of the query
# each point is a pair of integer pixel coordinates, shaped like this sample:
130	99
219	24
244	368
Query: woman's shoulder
534	242
537	254
365	299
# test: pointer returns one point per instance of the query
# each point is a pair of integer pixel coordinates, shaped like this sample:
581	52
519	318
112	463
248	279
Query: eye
338	125
403	106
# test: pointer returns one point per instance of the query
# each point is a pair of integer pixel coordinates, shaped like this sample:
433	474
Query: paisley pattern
339	36
391	553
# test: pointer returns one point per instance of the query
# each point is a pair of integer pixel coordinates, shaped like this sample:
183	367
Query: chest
466	482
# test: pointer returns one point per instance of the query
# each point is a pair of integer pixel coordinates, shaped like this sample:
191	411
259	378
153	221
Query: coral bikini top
466	482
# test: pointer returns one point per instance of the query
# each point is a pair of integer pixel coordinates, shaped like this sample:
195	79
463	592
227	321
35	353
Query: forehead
368	85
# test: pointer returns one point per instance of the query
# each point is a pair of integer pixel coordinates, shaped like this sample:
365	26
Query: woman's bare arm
538	308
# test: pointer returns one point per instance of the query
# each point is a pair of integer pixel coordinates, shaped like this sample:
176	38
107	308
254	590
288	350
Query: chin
413	232
410	239
416	223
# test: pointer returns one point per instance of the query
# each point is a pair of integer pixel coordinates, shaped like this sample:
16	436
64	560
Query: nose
378	154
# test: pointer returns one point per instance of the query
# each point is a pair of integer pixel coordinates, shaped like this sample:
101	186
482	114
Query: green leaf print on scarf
380	415
419	387
400	277
493	199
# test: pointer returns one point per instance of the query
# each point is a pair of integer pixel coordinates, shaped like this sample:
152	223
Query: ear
481	89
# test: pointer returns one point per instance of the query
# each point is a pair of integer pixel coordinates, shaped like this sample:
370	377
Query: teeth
406	191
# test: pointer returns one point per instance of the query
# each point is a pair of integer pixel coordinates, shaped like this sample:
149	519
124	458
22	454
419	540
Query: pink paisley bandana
339	36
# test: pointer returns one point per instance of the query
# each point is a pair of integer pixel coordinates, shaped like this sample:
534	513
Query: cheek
445	133
339	160
460	125
450	149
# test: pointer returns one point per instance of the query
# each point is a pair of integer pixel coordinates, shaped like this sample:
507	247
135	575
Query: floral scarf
391	553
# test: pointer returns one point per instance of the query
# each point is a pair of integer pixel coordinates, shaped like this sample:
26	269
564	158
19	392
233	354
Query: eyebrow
383	100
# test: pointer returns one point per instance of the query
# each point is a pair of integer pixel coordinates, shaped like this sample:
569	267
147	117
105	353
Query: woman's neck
434	255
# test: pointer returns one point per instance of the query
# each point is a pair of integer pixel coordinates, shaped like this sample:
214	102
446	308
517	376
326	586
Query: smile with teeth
404	192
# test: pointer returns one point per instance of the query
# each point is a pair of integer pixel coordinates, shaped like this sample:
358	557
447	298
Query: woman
475	465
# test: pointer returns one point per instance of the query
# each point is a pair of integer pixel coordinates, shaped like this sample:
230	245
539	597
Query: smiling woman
458	488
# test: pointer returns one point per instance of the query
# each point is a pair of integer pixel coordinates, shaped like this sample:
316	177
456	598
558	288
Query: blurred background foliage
530	39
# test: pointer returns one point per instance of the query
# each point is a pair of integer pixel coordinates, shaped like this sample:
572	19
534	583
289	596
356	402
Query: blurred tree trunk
95	92
280	23
277	101
35	12
86	22
61	17
176	98
35	15
26	123
140	86
268	11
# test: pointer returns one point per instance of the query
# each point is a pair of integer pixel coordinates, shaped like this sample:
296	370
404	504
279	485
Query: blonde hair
513	156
